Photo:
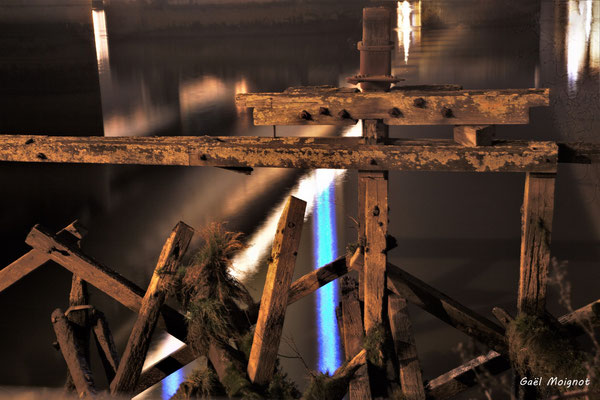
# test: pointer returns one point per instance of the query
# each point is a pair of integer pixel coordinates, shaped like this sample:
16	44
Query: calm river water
458	232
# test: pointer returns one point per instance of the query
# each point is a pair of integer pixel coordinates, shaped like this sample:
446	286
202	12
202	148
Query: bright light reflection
202	94
171	383
325	251
168	345
309	187
404	27
101	41
579	47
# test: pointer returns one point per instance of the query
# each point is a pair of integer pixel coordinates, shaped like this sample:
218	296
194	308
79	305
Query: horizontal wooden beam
287	152
465	376
344	106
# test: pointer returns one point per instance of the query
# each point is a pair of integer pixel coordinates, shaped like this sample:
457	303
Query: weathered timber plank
317	278
412	107
80	321
133	357
103	278
269	326
353	335
74	356
411	378
106	345
536	232
291	152
474	135
376	221
443	307
34	259
464	377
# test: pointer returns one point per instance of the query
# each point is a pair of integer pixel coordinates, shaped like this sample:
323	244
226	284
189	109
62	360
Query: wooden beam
411	378
34	259
353	336
105	344
465	376
79	320
443	307
79	368
317	278
326	106
536	232
133	357
103	278
269	326
474	135
290	152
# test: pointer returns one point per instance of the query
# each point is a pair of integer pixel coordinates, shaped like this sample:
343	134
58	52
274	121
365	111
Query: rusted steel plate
290	152
332	106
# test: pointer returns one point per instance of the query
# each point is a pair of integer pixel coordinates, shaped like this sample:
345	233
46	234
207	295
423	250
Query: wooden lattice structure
378	300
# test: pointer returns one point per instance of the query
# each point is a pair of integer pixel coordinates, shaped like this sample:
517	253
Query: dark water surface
458	232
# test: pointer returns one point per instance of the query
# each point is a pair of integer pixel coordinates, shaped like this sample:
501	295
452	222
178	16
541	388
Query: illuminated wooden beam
289	152
344	106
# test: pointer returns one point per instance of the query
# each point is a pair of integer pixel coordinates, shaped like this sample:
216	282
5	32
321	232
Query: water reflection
101	41
582	40
404	28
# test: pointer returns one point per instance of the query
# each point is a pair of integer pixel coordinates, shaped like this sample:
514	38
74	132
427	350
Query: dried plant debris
202	383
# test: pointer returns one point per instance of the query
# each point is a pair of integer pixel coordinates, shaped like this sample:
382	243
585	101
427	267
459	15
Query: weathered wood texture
74	356
133	357
34	259
474	135
536	232
443	307
105	344
269	326
463	377
353	336
80	321
376	222
103	278
317	278
411	378
326	106
290	152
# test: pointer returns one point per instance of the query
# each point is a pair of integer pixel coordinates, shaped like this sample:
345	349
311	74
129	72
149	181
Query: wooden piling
353	336
269	326
536	231
105	344
80	321
411	378
73	354
131	363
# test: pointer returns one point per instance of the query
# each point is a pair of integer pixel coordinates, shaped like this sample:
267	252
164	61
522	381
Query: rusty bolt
375	211
447	112
344	114
395	112
305	115
42	156
29	141
291	225
324	111
419	102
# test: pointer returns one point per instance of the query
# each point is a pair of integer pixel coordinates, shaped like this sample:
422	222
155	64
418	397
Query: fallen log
133	357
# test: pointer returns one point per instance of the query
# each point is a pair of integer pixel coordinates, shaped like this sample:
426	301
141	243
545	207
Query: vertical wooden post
411	379
353	335
273	304
538	207
131	363
79	368
105	344
80	321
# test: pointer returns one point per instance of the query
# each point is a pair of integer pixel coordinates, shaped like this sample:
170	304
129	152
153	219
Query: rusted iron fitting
375	51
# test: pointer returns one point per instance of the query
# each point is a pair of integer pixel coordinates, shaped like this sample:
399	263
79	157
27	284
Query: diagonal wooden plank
34	259
536	232
130	366
443	307
269	326
106	345
411	378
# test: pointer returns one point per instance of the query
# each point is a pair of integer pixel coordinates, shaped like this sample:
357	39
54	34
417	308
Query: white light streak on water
101	40
404	27
579	48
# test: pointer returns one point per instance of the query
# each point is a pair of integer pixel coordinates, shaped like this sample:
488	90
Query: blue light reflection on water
324	233
171	383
